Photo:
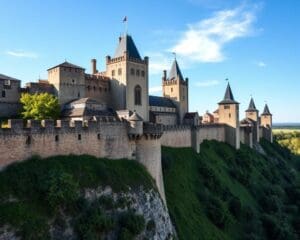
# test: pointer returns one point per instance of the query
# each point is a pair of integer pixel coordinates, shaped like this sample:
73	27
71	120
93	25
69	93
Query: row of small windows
113	72
56	138
136	72
95	88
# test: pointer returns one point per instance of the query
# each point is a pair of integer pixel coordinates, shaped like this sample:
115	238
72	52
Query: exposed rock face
146	203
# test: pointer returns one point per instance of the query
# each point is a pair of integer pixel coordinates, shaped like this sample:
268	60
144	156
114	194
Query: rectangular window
226	107
138	72
113	72
3	93
119	71
132	71
143	73
7	82
79	136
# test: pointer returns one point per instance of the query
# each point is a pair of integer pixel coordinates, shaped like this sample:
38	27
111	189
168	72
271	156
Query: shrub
132	222
235	207
217	213
93	222
151	225
270	204
61	189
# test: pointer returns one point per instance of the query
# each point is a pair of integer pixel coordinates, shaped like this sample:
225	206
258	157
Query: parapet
20	126
176	127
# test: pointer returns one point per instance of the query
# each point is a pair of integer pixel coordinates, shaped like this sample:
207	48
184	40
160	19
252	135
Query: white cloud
208	83
158	62
21	54
155	89
261	64
204	41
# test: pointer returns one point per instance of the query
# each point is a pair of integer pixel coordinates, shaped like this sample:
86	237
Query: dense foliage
222	193
40	106
37	193
289	139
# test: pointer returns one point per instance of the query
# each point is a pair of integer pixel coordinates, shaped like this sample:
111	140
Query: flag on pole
125	19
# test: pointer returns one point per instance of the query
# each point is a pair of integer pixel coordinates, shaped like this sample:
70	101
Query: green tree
40	106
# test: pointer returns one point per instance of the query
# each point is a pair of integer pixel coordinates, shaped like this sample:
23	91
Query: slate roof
66	64
135	117
4	77
84	112
84	100
190	115
247	121
126	44
175	72
251	107
266	110
161	102
228	97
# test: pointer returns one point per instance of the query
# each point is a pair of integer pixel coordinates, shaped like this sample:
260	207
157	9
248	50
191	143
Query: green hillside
40	194
226	194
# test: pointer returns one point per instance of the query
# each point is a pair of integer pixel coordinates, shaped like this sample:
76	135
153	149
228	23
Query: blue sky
253	43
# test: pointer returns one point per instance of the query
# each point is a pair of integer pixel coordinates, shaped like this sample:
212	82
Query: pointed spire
175	71
126	44
266	110
228	97
251	107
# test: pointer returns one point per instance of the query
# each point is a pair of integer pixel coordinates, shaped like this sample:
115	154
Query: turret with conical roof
229	115
175	87
266	117
252	113
129	78
266	124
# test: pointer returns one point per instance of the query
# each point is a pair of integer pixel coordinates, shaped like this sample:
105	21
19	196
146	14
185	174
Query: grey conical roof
175	71
126	44
228	97
266	110
252	107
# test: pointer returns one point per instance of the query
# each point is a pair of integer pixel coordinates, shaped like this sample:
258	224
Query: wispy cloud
261	64
155	89
158	62
208	83
204	41
21	54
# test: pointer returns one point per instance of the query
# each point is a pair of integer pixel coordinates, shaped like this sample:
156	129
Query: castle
110	114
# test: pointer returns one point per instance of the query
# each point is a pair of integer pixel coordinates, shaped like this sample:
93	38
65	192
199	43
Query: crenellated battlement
176	127
19	126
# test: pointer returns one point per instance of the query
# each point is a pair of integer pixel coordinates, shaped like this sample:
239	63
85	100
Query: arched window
138	95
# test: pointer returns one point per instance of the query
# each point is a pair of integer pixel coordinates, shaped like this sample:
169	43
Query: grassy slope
226	194
32	192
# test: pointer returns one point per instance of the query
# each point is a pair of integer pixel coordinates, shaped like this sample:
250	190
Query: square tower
129	78
175	87
229	115
68	81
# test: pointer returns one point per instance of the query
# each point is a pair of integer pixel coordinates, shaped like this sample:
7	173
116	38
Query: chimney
94	66
165	74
